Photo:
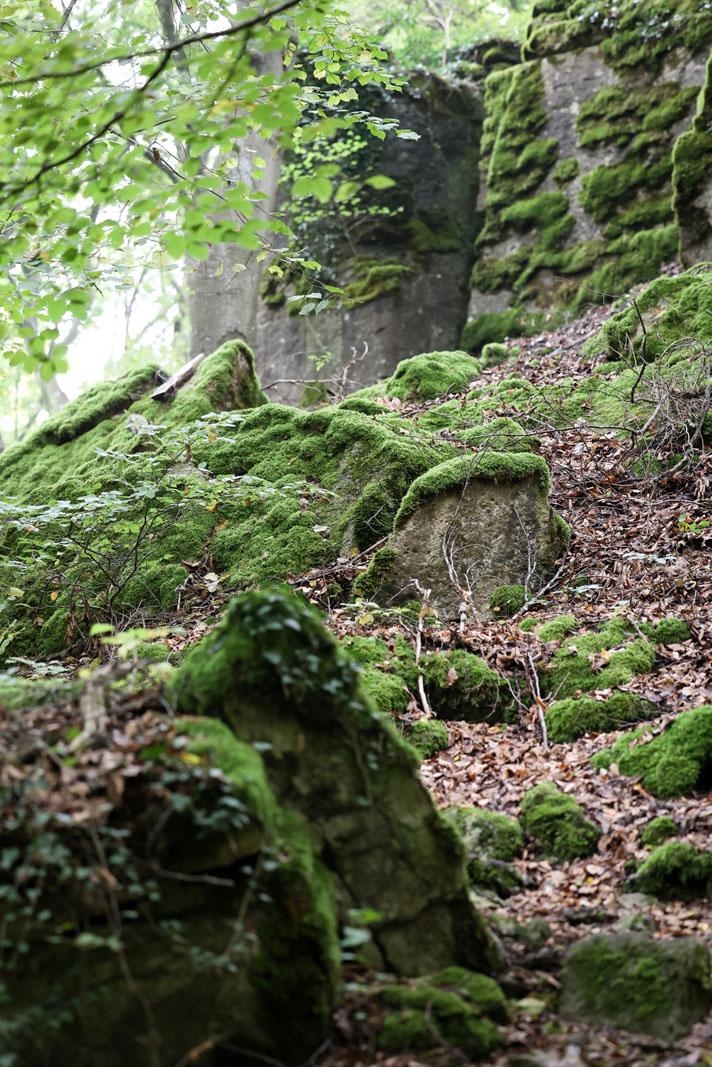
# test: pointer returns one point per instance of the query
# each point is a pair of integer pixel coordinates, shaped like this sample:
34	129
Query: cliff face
403	254
578	159
540	185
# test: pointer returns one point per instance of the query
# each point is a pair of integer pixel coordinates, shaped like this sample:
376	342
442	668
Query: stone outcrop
635	983
276	677
577	165
402	255
187	875
692	181
466	528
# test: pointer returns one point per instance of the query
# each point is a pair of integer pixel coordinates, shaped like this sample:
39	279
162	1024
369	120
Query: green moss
495	326
462	687
658	830
454	475
566	170
499	435
369	582
556	629
386	692
675	871
374	278
671	764
452	1008
568	719
431	375
635	983
670	631
428	737
488	833
557	823
623	657
225	380
672	307
507	600
494	353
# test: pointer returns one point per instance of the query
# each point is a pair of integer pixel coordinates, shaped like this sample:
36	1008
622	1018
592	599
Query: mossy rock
492	841
623	656
431	375
428	737
500	435
675	871
466	527
462	687
566	720
455	1008
672	764
280	680
225	858
558	823
555	629
632	982
657	830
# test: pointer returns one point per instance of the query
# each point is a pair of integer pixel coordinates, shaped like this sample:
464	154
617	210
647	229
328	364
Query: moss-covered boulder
571	718
176	898
606	657
675	871
467	527
557	823
462	687
492	841
671	764
635	983
455	1008
274	674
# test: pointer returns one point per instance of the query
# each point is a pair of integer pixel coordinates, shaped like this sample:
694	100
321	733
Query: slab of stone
632	982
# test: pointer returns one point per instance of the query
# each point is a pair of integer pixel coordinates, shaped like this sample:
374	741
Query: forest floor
641	547
645	552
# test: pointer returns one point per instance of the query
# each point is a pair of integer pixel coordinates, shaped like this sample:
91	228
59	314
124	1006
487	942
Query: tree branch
165	51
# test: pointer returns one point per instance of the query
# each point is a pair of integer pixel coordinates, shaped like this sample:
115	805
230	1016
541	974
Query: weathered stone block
467	527
635	983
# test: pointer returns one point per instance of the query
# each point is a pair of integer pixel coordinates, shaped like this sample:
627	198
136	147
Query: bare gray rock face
467	528
405	271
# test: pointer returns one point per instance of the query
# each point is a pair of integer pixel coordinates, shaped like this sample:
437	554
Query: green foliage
557	823
671	764
142	157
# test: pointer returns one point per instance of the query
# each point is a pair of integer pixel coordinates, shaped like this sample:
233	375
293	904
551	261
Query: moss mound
455	1008
568	719
635	983
507	600
492	841
621	654
431	375
671	764
658	830
428	737
557	823
675	871
462	687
